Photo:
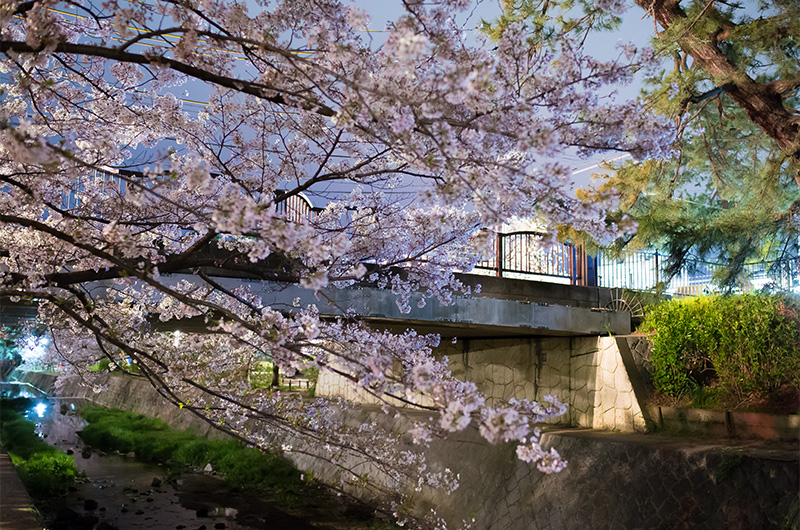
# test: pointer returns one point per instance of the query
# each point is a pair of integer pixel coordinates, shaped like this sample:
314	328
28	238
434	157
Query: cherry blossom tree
110	179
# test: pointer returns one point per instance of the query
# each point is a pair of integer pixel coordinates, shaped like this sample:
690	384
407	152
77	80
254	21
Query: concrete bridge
516	339
504	308
523	339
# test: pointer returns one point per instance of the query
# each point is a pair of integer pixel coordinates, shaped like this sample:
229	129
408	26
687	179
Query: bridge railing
523	255
644	270
296	208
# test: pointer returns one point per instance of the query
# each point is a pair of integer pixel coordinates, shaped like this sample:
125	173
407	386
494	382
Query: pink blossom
276	145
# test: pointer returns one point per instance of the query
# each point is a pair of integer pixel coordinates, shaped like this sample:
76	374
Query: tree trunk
762	102
276	375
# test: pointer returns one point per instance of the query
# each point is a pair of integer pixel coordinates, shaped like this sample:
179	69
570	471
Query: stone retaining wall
127	393
589	374
613	480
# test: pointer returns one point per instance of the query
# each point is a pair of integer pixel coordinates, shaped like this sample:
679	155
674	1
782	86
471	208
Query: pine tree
731	192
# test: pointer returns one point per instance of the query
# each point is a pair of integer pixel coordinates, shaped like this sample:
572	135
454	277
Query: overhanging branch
258	90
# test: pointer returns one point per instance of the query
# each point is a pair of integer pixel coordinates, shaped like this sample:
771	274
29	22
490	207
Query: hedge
745	344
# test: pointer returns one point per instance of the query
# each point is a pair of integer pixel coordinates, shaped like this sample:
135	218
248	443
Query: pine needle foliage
731	194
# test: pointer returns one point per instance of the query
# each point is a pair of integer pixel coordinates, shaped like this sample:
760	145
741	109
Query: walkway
16	508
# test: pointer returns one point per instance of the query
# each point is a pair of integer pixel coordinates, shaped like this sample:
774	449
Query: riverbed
120	492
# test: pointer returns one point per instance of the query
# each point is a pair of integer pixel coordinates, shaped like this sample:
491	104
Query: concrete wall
538	292
617	481
127	393
613	480
589	374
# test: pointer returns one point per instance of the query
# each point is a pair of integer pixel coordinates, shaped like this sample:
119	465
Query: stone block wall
589	374
612	481
329	384
641	349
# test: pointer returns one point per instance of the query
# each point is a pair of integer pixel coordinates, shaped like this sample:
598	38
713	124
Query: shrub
243	468
47	473
43	469
19	436
748	344
759	350
685	337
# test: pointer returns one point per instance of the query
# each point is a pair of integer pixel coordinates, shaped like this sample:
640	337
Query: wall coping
757	425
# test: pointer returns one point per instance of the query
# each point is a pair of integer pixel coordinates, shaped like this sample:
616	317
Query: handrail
520	253
643	270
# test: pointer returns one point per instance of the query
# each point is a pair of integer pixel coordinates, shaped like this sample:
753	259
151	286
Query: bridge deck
504	308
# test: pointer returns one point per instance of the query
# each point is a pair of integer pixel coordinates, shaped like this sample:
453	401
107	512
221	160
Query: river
121	492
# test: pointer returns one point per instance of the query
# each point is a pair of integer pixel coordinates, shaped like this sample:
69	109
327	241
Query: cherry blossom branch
258	90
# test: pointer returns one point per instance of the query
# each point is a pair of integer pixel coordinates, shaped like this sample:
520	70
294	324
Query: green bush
760	349
43	469
745	344
47	473
101	366
115	367
685	336
261	375
19	437
243	468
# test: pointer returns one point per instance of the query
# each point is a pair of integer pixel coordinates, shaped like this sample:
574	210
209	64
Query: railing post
656	267
572	271
498	259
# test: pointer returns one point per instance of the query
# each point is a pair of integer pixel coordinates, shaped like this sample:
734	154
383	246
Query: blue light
40	409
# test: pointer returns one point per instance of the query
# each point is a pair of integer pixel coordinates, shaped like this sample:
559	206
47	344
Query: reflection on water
40	409
122	493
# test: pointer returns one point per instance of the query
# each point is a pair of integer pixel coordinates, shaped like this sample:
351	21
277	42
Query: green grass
106	365
43	469
243	468
261	378
711	398
270	475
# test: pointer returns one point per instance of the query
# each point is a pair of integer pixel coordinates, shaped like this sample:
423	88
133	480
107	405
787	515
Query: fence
106	181
644	270
522	255
295	207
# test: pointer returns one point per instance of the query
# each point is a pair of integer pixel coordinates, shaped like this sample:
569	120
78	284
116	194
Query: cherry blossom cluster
142	141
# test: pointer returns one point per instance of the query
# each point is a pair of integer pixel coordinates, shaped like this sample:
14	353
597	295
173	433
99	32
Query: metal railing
522	254
108	181
296	208
643	270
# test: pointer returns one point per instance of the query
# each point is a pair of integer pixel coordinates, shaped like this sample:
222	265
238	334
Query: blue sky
635	28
